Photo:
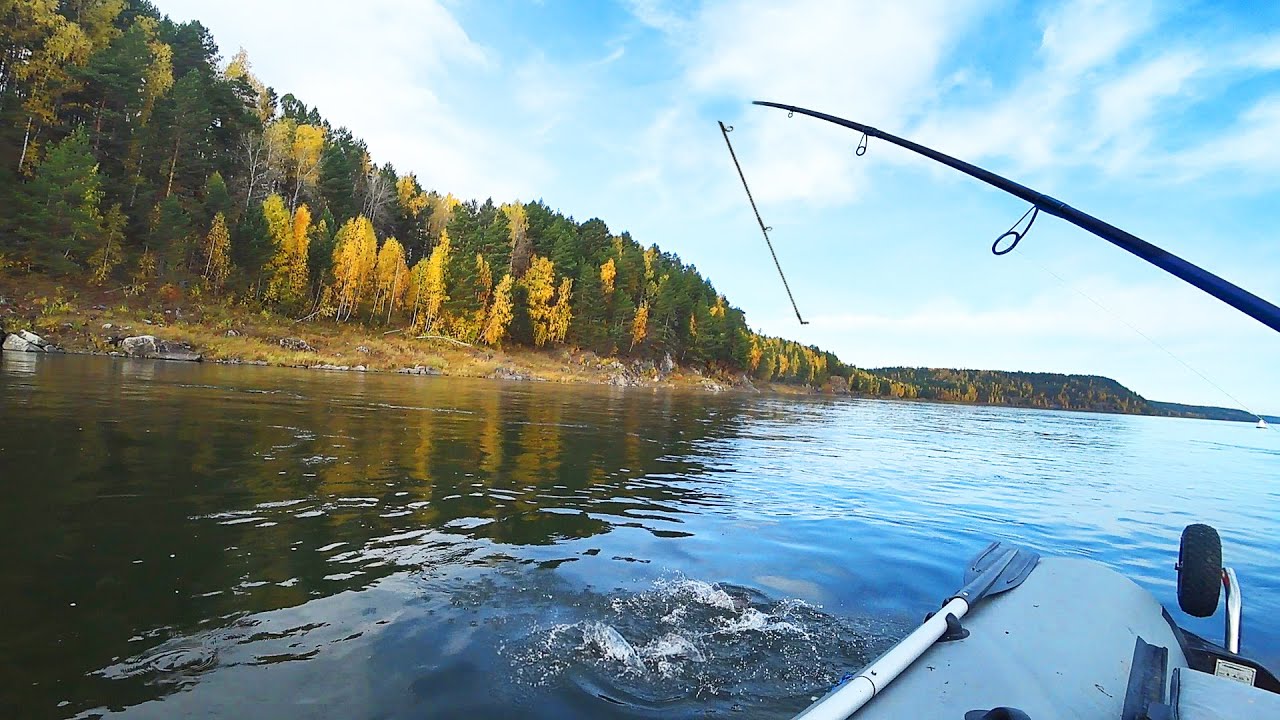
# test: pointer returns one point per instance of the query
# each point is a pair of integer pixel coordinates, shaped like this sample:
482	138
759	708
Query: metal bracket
1231	638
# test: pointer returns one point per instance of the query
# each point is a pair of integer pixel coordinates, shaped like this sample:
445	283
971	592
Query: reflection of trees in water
188	496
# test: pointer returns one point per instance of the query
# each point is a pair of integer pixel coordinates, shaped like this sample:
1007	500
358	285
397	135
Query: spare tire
1199	570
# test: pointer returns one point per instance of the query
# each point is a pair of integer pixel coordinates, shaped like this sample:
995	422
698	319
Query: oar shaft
846	699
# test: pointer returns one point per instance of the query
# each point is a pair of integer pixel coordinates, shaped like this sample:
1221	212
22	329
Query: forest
133	156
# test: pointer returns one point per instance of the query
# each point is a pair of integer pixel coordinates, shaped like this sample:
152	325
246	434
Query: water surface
213	541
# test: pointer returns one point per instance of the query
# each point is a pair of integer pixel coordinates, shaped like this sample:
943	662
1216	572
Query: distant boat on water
1262	424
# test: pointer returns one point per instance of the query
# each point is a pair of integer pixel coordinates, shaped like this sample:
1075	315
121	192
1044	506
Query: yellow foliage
288	266
561	312
217	251
354	257
608	273
299	249
411	198
307	148
650	258
517	220
240	67
500	312
391	275
442	207
539	282
158	77
434	290
640	324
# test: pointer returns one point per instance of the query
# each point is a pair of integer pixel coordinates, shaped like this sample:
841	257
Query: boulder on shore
143	346
296	343
15	343
509	373
24	341
667	366
32	338
148	346
421	370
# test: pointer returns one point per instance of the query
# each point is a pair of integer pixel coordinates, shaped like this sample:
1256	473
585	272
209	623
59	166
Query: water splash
684	640
609	643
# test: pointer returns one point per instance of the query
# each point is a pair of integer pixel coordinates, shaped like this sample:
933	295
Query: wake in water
686	640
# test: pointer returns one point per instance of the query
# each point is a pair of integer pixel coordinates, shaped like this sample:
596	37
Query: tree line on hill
133	155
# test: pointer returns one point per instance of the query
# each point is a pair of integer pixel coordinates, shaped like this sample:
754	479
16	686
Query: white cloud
1102	93
878	61
382	71
656	14
1084	34
1250	146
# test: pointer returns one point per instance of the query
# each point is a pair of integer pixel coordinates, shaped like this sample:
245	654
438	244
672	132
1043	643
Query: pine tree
59	217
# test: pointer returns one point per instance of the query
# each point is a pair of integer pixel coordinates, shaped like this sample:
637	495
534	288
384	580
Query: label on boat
1235	671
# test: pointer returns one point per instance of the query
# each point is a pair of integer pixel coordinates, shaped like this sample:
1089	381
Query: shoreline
92	321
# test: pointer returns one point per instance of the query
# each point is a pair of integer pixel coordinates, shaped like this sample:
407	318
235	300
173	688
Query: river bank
105	322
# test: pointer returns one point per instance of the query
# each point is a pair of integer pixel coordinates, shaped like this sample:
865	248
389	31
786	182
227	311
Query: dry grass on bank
76	317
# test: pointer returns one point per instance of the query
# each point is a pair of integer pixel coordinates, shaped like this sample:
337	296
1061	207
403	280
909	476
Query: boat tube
1039	638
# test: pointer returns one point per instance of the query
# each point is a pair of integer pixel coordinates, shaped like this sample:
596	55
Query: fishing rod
1233	295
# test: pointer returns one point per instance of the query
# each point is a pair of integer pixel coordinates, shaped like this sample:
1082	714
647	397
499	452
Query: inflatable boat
1032	638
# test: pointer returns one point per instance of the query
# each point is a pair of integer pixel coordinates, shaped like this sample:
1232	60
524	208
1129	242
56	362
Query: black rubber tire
1199	570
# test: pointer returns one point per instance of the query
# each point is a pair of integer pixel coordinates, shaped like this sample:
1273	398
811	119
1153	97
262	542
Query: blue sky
1162	118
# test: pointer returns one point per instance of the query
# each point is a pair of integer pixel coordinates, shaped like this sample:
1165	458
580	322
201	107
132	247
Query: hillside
1052	391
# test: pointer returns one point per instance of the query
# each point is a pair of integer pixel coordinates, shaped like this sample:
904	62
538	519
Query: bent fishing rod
1233	295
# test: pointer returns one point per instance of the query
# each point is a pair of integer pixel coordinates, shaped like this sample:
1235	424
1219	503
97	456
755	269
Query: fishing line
725	130
1145	336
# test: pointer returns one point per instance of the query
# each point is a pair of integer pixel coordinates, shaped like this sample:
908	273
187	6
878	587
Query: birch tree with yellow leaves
305	152
290	239
540	288
640	325
608	273
217	252
500	312
354	257
391	277
430	286
561	312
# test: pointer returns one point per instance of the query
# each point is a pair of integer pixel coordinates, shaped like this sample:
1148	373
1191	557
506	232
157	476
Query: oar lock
955	631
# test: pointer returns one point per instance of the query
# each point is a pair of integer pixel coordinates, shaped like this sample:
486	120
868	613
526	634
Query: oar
998	568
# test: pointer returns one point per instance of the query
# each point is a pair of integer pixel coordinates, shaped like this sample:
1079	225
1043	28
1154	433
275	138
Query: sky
1161	118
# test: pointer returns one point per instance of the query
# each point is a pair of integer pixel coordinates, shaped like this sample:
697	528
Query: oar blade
1012	563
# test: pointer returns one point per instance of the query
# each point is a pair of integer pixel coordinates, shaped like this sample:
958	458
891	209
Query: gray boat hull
1060	646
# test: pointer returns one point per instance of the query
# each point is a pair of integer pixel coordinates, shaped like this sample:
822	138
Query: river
244	542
